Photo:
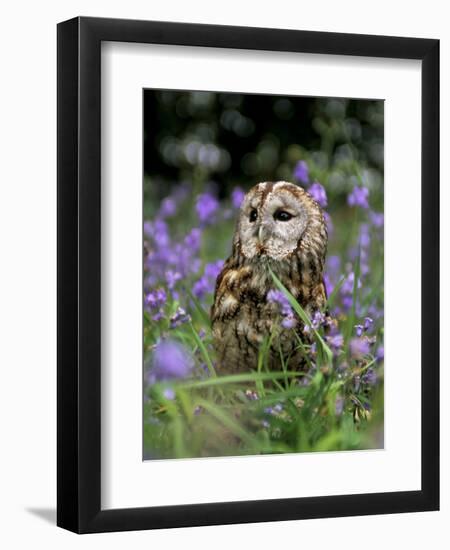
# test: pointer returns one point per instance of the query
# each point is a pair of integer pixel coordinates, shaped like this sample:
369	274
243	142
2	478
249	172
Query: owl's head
278	219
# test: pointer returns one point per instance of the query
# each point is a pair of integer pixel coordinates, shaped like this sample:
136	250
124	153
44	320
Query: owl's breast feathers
242	316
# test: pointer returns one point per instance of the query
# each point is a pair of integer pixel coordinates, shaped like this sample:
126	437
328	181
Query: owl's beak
262	234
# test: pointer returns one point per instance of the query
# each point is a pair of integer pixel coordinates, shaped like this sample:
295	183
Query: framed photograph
248	274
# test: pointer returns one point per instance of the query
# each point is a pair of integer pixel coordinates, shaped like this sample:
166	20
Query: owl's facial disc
272	222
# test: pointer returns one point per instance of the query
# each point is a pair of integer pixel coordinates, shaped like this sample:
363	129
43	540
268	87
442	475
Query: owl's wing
222	288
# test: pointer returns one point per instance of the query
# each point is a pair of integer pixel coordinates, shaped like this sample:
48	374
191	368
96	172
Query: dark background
238	139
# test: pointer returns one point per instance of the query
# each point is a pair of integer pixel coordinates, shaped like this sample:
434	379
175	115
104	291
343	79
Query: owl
281	228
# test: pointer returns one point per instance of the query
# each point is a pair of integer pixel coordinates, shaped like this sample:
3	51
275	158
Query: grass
262	411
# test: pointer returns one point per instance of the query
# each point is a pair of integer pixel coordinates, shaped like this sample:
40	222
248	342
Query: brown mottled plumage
282	227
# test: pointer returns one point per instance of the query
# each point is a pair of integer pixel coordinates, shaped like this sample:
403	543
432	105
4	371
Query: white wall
28	268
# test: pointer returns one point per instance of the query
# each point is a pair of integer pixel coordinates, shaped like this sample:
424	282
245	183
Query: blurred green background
241	139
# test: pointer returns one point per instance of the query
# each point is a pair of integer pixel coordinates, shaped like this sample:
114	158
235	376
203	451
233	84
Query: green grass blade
203	351
227	421
239	379
332	296
198	306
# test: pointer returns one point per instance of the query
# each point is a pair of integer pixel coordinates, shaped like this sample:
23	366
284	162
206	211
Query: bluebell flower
329	223
289	322
380	353
207	282
172	277
155	299
277	297
335	341
301	172
201	287
359	347
180	317
168	208
237	196
318	193
207	205
377	219
359	197
169	394
170	360
369	377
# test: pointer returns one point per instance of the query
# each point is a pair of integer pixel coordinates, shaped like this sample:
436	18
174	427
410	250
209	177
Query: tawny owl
280	227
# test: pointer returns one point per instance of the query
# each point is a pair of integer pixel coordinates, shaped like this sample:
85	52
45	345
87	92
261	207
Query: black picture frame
79	276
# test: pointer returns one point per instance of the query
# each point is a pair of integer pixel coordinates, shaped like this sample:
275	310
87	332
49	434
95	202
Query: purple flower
206	207
318	319
364	236
359	347
369	377
237	196
168	208
193	239
375	312
277	297
380	353
333	265
289	322
329	286
318	193
156	298
161	233
172	277
329	223
170	360
148	229
274	410
167	261
377	219
335	341
213	269
359	330
359	197
202	287
251	395
368	322
347	302
301	172
158	316
179	318
347	285
207	282
169	394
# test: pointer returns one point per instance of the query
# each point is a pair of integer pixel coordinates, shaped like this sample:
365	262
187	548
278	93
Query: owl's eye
253	215
282	216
